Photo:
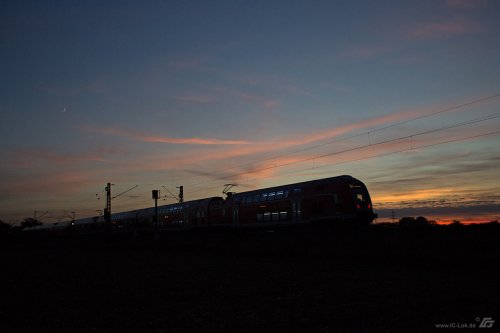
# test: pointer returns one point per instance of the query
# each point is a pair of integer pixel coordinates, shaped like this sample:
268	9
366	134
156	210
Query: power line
371	145
367	133
473	121
385	154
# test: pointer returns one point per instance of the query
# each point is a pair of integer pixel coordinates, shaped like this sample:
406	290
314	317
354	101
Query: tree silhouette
30	222
456	224
4	227
415	222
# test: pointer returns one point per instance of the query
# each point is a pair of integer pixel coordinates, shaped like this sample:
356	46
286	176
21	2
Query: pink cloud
430	30
231	156
247	97
162	139
27	158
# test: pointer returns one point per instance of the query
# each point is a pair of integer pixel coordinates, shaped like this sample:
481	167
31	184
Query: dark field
319	280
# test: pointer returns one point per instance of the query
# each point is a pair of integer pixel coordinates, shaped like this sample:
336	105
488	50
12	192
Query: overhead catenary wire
369	132
370	144
337	140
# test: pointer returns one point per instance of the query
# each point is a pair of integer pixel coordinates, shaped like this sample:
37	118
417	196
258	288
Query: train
334	200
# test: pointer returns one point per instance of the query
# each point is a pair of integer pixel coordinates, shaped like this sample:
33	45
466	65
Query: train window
260	217
283	216
361	199
267	217
263	197
285	194
271	196
279	195
275	216
248	199
297	190
256	198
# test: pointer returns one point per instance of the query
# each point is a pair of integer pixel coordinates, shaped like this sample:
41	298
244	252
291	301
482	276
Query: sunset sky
403	95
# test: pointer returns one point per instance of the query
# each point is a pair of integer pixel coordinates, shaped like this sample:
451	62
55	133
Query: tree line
26	223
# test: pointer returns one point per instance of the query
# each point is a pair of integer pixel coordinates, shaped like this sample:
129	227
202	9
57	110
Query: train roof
329	180
199	203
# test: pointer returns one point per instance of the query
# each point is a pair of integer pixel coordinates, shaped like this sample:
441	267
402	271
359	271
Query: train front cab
362	204
338	200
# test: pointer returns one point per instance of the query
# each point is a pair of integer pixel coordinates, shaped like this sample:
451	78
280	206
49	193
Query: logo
487	322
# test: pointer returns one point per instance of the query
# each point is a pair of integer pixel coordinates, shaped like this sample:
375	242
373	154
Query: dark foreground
373	279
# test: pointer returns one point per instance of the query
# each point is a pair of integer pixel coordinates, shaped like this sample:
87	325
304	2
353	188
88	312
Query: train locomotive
343	199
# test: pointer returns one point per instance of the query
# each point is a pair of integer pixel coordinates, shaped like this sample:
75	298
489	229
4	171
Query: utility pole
393	216
156	195
107	210
173	196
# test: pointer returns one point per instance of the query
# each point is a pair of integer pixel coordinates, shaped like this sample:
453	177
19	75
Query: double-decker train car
328	200
342	198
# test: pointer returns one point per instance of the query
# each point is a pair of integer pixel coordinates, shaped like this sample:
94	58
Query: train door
236	217
296	211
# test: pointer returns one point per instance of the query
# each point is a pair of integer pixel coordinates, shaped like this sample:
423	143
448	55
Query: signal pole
107	210
181	194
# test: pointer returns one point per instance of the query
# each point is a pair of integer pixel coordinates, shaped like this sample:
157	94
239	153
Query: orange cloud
426	194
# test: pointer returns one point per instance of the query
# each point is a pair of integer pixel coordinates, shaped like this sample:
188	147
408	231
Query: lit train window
267	216
283	216
263	197
275	216
271	196
279	195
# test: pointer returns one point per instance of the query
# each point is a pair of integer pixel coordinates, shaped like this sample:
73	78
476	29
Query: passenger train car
330	200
